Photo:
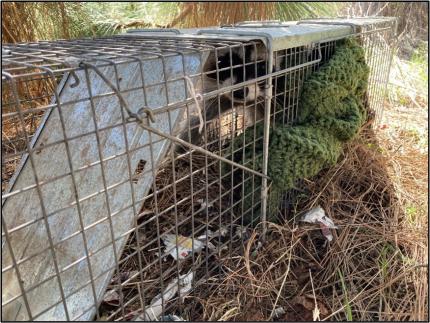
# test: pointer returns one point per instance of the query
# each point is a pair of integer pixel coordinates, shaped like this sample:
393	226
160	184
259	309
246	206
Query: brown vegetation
375	269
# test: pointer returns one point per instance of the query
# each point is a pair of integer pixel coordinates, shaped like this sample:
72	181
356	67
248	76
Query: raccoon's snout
248	93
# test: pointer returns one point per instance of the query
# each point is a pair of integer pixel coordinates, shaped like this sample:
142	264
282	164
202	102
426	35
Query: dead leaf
111	297
310	301
305	302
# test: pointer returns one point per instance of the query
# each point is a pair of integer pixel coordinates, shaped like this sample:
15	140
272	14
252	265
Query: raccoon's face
234	69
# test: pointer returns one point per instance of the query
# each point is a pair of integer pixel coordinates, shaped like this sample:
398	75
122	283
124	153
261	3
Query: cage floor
143	273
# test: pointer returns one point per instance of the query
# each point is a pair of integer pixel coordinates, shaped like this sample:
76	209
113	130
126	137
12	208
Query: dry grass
135	268
203	14
377	266
216	13
32	93
412	15
375	269
23	22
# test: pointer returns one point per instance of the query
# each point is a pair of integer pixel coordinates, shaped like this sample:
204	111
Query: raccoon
245	104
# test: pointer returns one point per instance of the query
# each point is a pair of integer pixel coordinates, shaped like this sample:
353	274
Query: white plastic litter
203	204
279	311
222	231
154	310
185	244
317	216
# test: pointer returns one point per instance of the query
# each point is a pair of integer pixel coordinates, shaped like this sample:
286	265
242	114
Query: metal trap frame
93	183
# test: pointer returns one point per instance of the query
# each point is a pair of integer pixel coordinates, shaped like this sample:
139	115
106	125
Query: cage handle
263	22
259	23
156	30
327	22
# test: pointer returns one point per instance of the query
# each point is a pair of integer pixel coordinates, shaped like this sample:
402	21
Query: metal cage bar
120	183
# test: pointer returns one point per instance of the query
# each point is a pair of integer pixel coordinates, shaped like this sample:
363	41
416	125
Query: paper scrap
154	310
180	247
317	216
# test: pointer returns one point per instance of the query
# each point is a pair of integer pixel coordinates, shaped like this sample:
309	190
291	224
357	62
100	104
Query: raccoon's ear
258	53
249	53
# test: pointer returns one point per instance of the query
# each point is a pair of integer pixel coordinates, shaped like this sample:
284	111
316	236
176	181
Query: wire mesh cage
124	177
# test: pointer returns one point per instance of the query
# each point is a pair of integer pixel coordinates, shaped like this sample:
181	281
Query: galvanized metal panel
287	35
281	37
358	21
293	35
59	194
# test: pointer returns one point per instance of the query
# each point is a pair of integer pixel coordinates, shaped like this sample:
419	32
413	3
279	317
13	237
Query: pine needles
30	21
370	272
203	14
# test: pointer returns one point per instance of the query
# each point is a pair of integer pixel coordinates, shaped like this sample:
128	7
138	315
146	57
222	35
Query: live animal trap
132	164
